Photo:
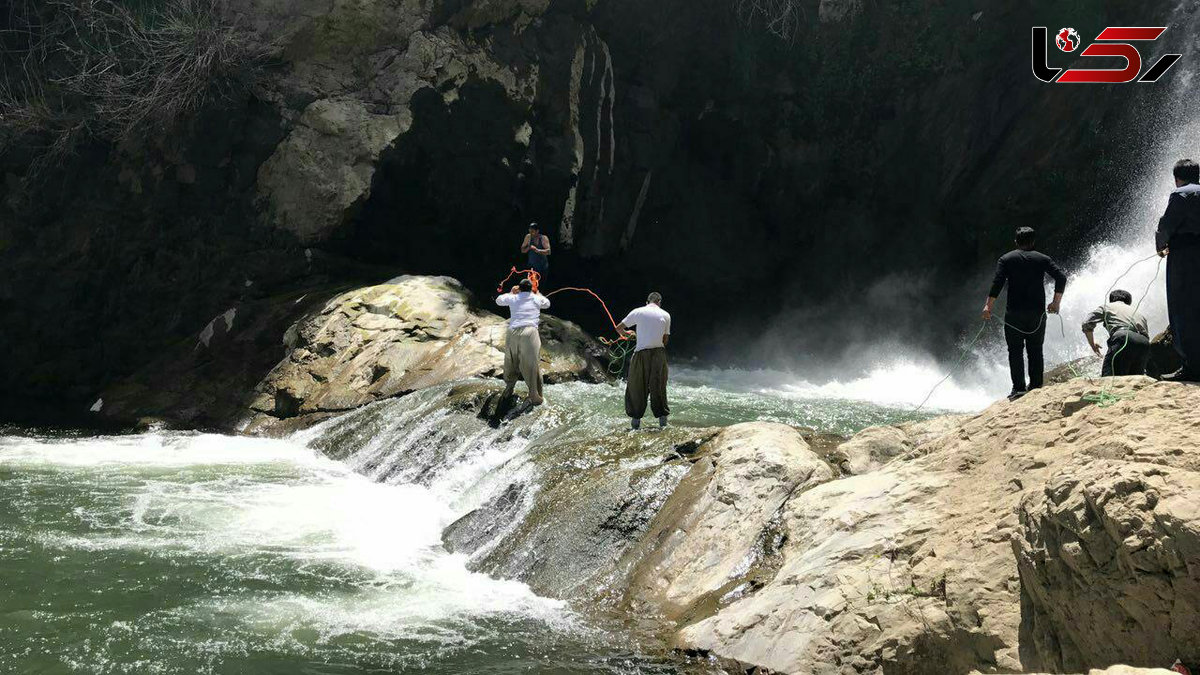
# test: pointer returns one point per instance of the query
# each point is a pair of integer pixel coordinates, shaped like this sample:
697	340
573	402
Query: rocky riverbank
1048	534
1057	532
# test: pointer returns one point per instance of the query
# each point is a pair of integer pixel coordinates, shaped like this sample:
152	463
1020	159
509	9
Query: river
171	552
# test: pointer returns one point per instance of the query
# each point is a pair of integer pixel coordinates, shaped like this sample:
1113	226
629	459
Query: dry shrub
114	70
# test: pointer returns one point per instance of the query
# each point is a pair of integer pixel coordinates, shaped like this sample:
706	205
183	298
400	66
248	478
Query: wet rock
1086	366
471	532
593	502
707	539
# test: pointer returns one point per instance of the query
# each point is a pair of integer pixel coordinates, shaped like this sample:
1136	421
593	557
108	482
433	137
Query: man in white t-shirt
522	344
648	371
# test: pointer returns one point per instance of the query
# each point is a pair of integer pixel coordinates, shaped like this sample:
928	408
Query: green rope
1104	398
618	353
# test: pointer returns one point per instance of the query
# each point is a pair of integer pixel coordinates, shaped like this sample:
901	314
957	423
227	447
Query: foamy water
204	549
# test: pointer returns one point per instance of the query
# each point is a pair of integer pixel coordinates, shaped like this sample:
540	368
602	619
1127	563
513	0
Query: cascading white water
1170	133
1123	257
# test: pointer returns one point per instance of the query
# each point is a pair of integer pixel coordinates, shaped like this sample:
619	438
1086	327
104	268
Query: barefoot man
522	344
648	371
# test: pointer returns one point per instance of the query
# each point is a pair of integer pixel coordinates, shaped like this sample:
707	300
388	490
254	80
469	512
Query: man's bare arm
525	245
987	308
1054	305
1091	338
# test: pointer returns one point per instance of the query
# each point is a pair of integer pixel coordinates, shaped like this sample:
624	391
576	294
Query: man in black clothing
1179	236
1025	270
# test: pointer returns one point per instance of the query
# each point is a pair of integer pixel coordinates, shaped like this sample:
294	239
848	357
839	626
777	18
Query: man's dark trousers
1183	302
1128	352
1025	332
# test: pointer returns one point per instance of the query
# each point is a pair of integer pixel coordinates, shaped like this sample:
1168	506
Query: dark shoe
1182	375
662	422
634	424
1015	394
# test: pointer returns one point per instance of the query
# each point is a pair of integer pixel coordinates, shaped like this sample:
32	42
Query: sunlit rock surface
286	363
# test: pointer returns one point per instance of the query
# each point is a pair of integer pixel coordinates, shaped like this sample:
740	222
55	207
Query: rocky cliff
678	145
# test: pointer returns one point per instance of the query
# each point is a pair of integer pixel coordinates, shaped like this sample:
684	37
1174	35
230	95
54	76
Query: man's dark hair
655	298
1187	171
525	285
535	226
1121	296
1026	237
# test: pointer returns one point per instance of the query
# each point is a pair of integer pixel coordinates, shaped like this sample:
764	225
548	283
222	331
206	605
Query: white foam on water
234	497
898	382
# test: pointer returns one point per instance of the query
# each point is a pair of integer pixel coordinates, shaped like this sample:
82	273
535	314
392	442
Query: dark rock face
881	154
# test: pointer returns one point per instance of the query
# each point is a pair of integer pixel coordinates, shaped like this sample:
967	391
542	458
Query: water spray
1104	398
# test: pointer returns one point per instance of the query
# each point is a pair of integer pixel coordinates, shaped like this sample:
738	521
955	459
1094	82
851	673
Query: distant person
648	371
1025	270
1128	335
522	344
1179	235
537	246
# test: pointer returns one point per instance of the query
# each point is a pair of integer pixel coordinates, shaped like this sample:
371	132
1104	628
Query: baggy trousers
522	351
1128	352
1025	332
647	377
1183	302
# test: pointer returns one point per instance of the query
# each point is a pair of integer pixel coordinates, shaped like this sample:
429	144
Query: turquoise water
193	553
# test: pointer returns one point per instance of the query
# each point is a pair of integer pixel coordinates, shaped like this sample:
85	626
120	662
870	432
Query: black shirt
1180	225
1025	272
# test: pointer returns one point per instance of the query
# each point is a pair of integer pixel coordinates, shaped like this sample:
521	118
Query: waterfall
1169	133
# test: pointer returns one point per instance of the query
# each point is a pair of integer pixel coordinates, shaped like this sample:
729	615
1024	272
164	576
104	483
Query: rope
618	349
1104	398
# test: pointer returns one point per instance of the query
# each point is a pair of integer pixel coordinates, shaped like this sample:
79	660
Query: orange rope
602	304
532	275
535	279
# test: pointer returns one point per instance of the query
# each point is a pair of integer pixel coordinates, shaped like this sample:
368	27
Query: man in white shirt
522	344
648	371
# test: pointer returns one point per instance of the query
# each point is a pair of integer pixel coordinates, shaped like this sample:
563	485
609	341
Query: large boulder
287	362
707	543
909	567
397	337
